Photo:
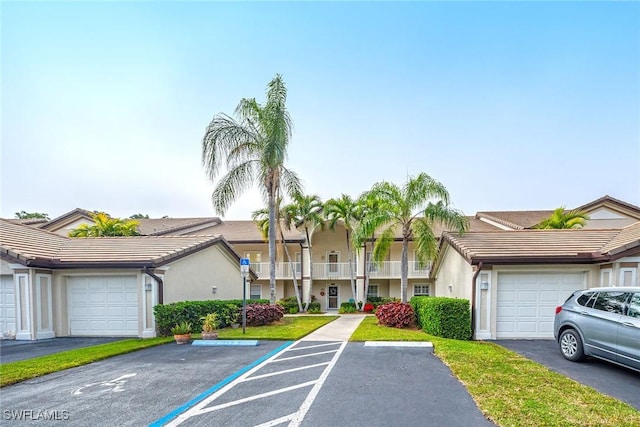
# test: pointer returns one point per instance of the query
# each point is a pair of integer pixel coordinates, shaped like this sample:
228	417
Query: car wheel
571	345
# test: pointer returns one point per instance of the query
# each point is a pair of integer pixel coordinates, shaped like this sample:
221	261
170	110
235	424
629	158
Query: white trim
633	272
610	281
483	334
44	333
148	331
23	332
421	284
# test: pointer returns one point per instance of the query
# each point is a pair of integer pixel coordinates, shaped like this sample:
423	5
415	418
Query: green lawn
512	390
290	328
11	373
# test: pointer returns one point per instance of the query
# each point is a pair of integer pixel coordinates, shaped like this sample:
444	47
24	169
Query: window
332	260
421	290
255	259
372	291
612	302
627	276
255	292
298	264
584	299
634	306
605	277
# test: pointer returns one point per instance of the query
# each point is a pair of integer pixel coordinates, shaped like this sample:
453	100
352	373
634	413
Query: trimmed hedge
443	317
168	315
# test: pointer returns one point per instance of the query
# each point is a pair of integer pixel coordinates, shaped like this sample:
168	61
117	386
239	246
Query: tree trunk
308	299
292	268
351	273
272	243
404	269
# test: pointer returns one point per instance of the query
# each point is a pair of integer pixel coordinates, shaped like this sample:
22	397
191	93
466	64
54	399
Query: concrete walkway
338	330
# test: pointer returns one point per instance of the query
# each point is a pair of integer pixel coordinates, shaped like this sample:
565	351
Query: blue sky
511	105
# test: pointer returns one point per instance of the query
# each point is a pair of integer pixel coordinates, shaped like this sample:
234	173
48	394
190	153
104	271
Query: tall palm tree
368	206
305	211
410	209
261	217
561	218
253	149
347	211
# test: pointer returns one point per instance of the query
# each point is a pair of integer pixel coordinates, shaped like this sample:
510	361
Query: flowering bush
263	314
368	308
395	315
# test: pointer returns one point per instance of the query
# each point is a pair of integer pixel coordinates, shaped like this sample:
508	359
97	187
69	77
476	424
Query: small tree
563	219
31	215
106	226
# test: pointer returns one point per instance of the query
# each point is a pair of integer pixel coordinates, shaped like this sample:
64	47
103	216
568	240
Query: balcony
340	270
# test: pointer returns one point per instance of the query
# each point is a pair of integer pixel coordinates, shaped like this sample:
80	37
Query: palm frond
231	186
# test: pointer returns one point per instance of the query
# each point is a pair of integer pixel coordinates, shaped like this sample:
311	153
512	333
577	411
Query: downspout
160	284
473	298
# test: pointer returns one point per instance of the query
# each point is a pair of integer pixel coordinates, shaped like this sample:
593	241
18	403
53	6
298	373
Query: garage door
103	306
526	302
7	304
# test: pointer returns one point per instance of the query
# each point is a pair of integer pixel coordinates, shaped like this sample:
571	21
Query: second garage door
103	306
526	302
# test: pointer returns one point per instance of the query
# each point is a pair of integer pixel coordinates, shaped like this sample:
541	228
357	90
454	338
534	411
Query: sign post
244	272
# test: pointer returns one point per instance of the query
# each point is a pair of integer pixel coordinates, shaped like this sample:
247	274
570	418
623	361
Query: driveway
319	383
607	378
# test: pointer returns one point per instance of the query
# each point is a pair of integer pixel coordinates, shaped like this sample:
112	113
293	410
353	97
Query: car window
634	305
584	299
612	302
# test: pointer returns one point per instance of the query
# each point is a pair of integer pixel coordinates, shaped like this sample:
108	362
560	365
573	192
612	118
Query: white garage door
7	304
103	306
526	302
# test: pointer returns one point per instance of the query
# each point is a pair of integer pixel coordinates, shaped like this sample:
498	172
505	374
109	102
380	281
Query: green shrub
168	315
378	301
443	317
347	307
314	307
289	304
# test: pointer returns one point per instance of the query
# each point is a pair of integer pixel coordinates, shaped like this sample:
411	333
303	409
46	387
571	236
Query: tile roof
247	231
34	247
518	220
529	246
627	238
161	226
77	212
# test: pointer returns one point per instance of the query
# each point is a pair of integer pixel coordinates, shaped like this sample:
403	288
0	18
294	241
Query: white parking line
295	418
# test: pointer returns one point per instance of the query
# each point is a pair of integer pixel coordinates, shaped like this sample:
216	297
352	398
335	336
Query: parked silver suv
600	322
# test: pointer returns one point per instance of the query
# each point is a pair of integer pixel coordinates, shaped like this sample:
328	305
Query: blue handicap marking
244	261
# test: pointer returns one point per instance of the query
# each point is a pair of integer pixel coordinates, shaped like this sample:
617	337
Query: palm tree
561	218
368	206
106	226
261	217
347	211
253	150
410	210
305	211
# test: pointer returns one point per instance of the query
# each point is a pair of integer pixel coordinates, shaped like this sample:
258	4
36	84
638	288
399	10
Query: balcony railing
340	270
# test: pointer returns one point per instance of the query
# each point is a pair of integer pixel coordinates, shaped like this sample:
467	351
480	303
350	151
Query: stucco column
306	269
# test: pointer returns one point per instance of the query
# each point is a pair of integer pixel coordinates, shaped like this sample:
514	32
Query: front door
332	297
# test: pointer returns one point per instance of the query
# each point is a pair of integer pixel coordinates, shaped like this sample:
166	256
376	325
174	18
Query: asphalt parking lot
324	383
15	350
607	378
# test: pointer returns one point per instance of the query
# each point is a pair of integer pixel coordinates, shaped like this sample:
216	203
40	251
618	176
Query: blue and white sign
244	267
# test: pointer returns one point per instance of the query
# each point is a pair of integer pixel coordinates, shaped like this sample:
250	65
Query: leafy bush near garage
168	315
395	314
443	317
263	314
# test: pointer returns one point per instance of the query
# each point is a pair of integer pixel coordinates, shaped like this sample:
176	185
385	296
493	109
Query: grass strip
11	373
288	329
512	390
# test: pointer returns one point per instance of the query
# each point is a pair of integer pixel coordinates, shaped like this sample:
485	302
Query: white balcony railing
340	270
